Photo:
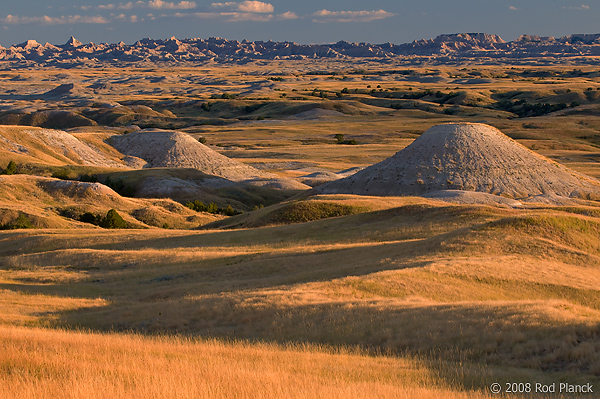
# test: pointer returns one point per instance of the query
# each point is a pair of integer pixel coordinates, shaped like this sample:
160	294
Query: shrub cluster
112	220
340	140
11	168
524	109
120	187
300	212
199	206
22	222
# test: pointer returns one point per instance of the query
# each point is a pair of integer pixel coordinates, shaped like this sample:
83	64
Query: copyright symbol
496	388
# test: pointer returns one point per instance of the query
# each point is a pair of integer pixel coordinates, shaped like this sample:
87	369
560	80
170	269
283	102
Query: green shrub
11	168
212	208
113	220
299	212
197	206
89	217
22	222
120	187
229	211
89	178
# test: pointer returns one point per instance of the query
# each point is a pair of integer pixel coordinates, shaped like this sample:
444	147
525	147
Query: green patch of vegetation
113	220
22	222
340	140
11	168
199	206
524	109
254	107
120	186
306	211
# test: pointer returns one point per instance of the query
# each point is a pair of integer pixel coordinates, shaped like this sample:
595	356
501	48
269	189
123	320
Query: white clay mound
169	149
468	157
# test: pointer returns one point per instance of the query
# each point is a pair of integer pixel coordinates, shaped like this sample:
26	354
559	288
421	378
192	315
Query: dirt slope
32	144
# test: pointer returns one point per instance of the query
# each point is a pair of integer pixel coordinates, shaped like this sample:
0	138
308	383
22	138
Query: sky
300	21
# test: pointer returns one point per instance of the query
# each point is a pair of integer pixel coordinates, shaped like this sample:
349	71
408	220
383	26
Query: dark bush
89	217
22	222
11	168
199	206
229	211
113	220
300	212
120	187
88	178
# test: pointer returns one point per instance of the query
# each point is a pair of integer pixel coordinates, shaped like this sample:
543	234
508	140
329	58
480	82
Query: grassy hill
463	286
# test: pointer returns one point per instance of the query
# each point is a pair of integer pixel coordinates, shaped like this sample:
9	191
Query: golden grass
467	291
39	363
493	286
46	205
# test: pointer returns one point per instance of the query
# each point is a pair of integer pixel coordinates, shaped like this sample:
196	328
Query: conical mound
170	149
468	157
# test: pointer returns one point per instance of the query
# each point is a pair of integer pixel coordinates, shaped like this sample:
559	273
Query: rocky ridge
442	48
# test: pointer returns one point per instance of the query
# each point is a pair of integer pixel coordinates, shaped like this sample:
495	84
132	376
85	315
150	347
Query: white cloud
155	4
229	16
247	16
165	5
256	6
133	19
230	4
288	15
247	6
350	16
130	5
46	20
581	7
513	8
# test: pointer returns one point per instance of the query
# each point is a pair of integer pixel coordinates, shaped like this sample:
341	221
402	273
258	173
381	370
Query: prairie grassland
495	293
406	298
41	363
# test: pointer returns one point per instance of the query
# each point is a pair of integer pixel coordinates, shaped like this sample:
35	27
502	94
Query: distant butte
447	48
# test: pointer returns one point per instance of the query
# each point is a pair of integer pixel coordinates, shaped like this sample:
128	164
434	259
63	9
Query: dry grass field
311	295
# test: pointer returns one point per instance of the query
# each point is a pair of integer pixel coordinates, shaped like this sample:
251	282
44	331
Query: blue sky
302	21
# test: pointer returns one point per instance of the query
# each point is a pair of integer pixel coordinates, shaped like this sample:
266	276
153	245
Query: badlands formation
441	49
172	149
169	149
461	162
